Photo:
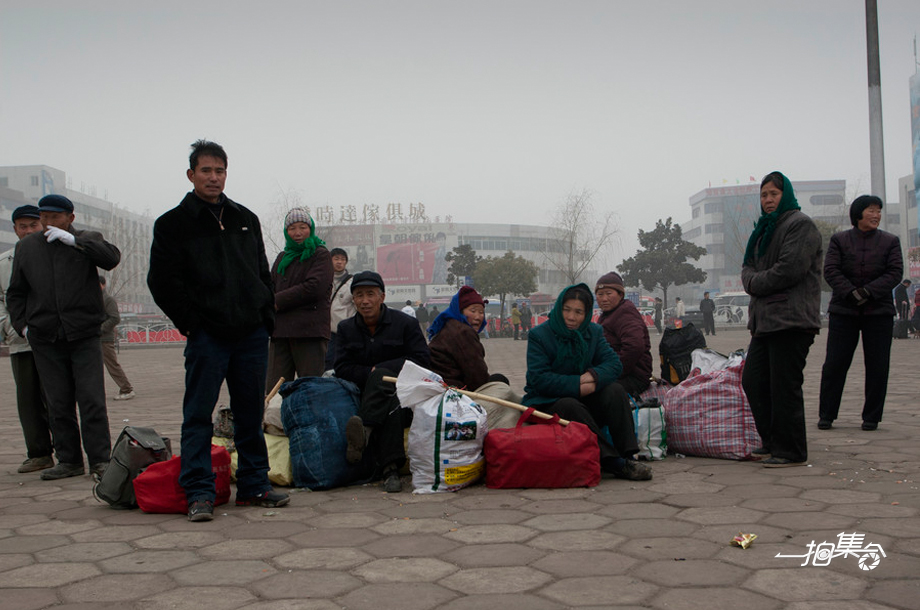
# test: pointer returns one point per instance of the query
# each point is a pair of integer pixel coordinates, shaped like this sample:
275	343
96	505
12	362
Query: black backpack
135	449
674	350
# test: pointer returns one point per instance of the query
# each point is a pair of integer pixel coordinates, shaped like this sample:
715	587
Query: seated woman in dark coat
457	354
571	370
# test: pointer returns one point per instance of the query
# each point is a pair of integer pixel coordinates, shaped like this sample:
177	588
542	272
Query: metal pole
876	144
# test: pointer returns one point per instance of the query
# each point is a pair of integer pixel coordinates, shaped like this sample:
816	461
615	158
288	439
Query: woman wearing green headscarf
572	371
302	280
782	273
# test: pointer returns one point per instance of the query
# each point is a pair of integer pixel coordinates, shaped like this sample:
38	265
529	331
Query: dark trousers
33	410
241	361
72	374
305	357
110	358
772	380
709	323
634	385
842	336
607	407
517	330
658	325
380	410
330	353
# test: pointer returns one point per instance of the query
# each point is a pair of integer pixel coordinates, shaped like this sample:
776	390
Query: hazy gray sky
487	111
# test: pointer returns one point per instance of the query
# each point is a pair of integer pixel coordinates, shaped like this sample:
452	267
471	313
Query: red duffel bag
157	488
544	455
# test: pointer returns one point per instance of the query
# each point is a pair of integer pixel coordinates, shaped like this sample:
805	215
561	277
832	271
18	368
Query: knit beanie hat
468	296
611	280
297	215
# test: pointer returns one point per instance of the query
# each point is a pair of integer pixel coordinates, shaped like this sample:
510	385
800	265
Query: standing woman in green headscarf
572	371
302	278
782	273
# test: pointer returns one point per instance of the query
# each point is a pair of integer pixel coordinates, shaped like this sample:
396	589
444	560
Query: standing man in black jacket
372	344
55	302
209	274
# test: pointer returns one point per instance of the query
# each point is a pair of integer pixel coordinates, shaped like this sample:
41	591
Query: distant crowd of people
248	324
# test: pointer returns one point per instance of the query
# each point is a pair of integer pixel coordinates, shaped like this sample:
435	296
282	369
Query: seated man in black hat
374	343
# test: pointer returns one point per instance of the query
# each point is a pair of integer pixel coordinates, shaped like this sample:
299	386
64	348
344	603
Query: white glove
54	233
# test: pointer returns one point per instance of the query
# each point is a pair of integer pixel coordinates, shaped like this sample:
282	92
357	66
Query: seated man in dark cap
372	344
626	333
54	300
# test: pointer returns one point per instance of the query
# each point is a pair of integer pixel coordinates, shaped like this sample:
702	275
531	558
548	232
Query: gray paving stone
322	558
499	501
714	515
419	545
273	529
899	593
783	505
47	575
810	521
334	537
652	527
690	572
584	563
27	599
58	528
84	551
555	507
806	583
293	604
498	580
906	527
643	510
701	500
348	520
246	549
195	598
116	533
176	540
579	540
491	534
567	521
148	561
840	496
602	592
412	569
398	596
115	588
687	486
651	549
714	598
491	516
628	496
415	526
230	573
296	584
492	555
430	510
505	602
11	561
850	605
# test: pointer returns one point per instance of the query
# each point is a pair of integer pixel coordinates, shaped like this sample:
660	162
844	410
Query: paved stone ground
657	544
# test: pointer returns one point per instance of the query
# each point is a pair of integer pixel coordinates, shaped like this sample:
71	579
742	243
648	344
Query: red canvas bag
158	491
545	455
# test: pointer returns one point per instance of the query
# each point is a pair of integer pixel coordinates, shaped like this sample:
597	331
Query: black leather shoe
268	499
62	471
824	424
868	426
778	462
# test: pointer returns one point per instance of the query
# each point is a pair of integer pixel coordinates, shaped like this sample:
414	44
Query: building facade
130	232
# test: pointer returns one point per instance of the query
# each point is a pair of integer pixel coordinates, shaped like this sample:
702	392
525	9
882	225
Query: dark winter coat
206	277
54	288
627	334
458	356
547	383
785	282
863	259
398	338
302	297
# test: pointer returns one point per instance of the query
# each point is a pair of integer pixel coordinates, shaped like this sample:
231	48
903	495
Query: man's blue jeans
242	362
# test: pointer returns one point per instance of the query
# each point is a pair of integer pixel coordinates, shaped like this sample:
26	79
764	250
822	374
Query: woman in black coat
863	265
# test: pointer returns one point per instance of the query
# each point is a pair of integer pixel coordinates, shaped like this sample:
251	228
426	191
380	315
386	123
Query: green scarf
573	344
294	251
766	225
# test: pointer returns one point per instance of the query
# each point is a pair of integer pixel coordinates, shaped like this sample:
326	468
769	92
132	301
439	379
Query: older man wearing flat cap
372	344
54	300
30	399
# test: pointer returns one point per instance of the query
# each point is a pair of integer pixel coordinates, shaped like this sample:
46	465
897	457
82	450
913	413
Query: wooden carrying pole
498	401
274	391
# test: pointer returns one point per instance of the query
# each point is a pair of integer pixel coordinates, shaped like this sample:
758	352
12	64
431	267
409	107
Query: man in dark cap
30	399
372	344
54	300
209	274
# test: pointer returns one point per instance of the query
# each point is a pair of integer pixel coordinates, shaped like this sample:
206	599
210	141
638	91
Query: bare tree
578	235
